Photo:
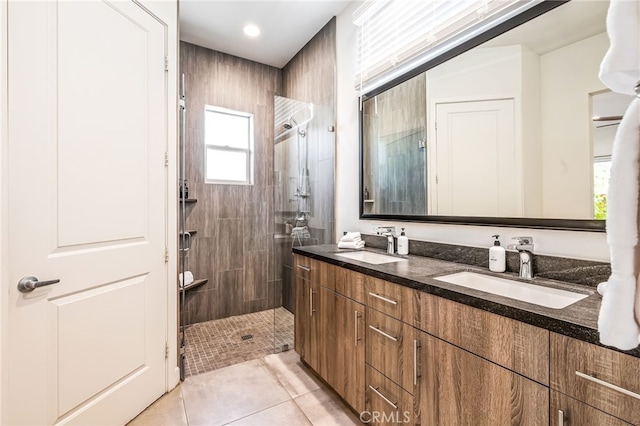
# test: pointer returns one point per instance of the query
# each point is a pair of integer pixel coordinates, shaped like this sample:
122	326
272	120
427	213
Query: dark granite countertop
578	320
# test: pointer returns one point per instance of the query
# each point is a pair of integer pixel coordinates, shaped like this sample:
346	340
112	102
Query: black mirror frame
537	223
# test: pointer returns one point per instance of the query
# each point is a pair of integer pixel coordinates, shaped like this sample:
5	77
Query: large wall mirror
516	131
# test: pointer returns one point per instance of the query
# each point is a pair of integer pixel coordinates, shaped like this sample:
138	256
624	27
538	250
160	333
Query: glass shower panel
304	151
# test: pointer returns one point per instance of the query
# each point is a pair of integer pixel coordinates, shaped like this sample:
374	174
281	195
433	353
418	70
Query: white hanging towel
618	322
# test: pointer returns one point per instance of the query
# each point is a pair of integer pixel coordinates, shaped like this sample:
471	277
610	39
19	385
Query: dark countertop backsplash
584	272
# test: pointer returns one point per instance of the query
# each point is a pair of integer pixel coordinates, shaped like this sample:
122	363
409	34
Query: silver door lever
28	284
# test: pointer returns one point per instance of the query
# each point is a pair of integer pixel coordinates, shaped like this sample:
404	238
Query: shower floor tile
220	343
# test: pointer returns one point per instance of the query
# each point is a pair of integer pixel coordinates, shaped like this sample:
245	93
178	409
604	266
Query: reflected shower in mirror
503	130
394	163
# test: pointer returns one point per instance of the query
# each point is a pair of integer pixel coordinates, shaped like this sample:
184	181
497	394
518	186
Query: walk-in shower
303	191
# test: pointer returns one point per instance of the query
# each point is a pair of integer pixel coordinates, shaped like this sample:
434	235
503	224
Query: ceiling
567	24
286	26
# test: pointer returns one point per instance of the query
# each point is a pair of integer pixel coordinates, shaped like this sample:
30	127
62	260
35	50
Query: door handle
28	284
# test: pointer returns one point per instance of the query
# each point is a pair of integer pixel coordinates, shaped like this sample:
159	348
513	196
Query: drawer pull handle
304	268
388	401
388	336
560	418
608	385
393	302
356	338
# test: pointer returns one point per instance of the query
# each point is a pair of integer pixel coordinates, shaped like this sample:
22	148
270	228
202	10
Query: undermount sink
368	257
531	293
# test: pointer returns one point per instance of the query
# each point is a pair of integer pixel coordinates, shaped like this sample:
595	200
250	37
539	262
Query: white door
87	139
477	165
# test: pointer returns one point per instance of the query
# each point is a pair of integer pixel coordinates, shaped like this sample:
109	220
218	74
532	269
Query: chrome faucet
525	247
390	233
390	242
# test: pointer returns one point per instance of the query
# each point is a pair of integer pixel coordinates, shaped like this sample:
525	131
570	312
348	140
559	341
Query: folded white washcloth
350	237
188	278
351	244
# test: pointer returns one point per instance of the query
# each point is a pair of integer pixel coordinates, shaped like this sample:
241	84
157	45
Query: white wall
567	80
583	245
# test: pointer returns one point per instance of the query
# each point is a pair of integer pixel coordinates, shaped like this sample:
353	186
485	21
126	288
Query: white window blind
396	36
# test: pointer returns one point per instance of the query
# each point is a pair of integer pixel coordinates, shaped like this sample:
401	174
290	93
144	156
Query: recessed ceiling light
251	30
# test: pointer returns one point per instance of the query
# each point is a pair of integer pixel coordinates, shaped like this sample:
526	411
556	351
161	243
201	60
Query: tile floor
274	390
216	344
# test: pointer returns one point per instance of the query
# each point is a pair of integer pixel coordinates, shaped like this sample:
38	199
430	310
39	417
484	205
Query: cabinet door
459	388
301	322
306	328
346	375
313	344
566	411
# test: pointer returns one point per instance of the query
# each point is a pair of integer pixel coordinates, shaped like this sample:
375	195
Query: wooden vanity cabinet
329	328
391	350
596	376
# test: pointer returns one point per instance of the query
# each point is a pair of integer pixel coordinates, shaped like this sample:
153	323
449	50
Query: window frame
249	151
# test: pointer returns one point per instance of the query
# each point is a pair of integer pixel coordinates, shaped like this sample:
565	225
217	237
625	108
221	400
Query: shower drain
247	337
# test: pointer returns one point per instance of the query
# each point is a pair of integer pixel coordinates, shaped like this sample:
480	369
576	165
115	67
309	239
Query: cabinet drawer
350	284
566	411
512	344
386	402
390	348
600	377
302	266
395	300
316	271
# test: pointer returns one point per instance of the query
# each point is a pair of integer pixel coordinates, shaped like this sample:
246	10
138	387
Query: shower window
228	146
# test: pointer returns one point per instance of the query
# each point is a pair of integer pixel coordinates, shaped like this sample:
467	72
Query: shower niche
303	164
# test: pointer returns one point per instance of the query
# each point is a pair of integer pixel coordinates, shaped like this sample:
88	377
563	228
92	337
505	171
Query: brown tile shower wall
233	247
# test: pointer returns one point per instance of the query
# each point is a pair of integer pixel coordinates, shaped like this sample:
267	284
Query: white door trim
4	237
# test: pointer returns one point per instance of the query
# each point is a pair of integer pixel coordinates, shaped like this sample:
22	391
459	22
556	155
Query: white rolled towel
350	237
351	244
188	278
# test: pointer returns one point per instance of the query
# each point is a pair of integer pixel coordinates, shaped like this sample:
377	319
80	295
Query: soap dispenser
403	243
497	256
